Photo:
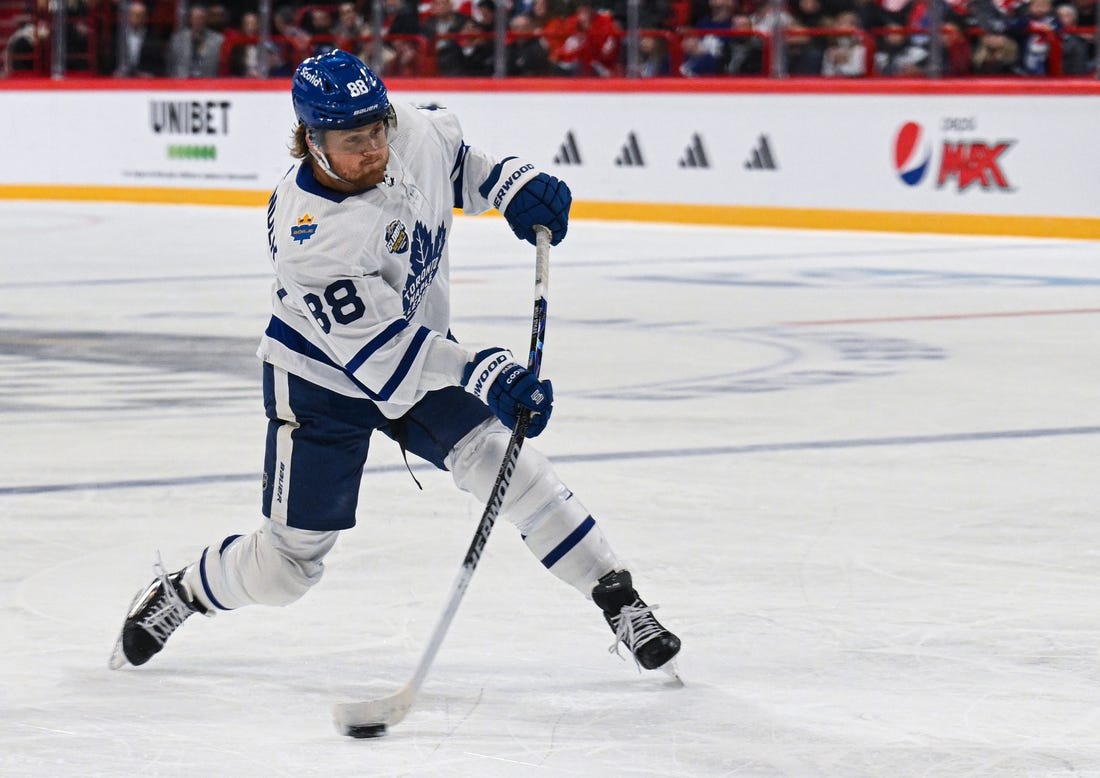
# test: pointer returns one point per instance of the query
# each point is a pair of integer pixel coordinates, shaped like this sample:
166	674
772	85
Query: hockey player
359	341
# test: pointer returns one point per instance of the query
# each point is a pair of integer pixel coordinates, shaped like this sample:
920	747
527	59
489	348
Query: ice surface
858	473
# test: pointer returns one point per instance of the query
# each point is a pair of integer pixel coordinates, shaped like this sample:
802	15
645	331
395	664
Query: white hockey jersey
361	301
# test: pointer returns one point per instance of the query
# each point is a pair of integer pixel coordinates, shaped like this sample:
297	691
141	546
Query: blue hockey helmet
336	91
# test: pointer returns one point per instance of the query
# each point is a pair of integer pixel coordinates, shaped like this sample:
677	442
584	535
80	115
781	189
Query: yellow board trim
135	194
1084	228
835	219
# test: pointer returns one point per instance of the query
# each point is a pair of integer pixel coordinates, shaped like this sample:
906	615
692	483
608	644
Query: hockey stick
370	718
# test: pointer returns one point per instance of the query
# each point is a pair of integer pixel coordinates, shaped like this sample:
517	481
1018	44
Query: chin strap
320	158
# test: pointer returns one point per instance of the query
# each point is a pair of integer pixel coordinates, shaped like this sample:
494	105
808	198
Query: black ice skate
633	623
154	615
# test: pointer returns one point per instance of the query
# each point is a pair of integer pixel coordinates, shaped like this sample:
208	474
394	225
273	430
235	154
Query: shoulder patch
304	229
397	237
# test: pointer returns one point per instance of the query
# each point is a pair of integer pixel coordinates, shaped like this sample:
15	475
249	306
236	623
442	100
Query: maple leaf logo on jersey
424	258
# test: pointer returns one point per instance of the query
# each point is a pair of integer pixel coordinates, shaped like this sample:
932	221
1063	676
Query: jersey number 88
345	305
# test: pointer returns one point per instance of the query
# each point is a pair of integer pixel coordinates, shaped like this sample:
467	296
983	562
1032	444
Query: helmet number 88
343	302
358	87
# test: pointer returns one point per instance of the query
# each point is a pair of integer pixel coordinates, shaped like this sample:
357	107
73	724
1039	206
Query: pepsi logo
912	153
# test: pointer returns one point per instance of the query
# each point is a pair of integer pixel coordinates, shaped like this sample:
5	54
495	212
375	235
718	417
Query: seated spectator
244	56
542	12
349	27
1076	50
846	55
586	43
528	54
484	12
1033	30
766	20
805	52
19	53
894	12
700	55
652	56
808	15
320	26
719	16
746	52
956	50
445	21
400	57
995	16
142	51
217	19
287	31
476	44
402	52
996	55
898	56
399	17
195	51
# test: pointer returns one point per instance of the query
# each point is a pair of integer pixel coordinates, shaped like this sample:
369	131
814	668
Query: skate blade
118	657
670	669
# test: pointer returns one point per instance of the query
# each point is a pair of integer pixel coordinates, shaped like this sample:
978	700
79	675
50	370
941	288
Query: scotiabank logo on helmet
959	160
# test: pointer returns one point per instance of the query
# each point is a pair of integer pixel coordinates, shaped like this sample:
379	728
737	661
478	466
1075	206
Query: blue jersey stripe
406	363
308	182
280	331
376	343
569	543
206	584
226	542
458	175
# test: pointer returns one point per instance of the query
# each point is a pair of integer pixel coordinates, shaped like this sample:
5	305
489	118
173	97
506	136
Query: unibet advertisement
220	140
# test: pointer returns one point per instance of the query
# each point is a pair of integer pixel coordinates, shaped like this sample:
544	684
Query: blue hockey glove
543	200
506	386
528	197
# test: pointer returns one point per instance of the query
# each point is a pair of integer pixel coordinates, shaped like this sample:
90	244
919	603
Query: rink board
995	159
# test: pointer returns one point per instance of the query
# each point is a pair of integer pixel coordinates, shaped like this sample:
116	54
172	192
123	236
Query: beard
368	172
359	171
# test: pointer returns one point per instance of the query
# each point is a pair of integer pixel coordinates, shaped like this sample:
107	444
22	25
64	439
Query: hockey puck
367	730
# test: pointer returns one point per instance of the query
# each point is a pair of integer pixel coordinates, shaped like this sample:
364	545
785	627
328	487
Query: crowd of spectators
832	38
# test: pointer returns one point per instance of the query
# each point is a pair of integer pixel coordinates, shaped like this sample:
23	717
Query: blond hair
299	148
